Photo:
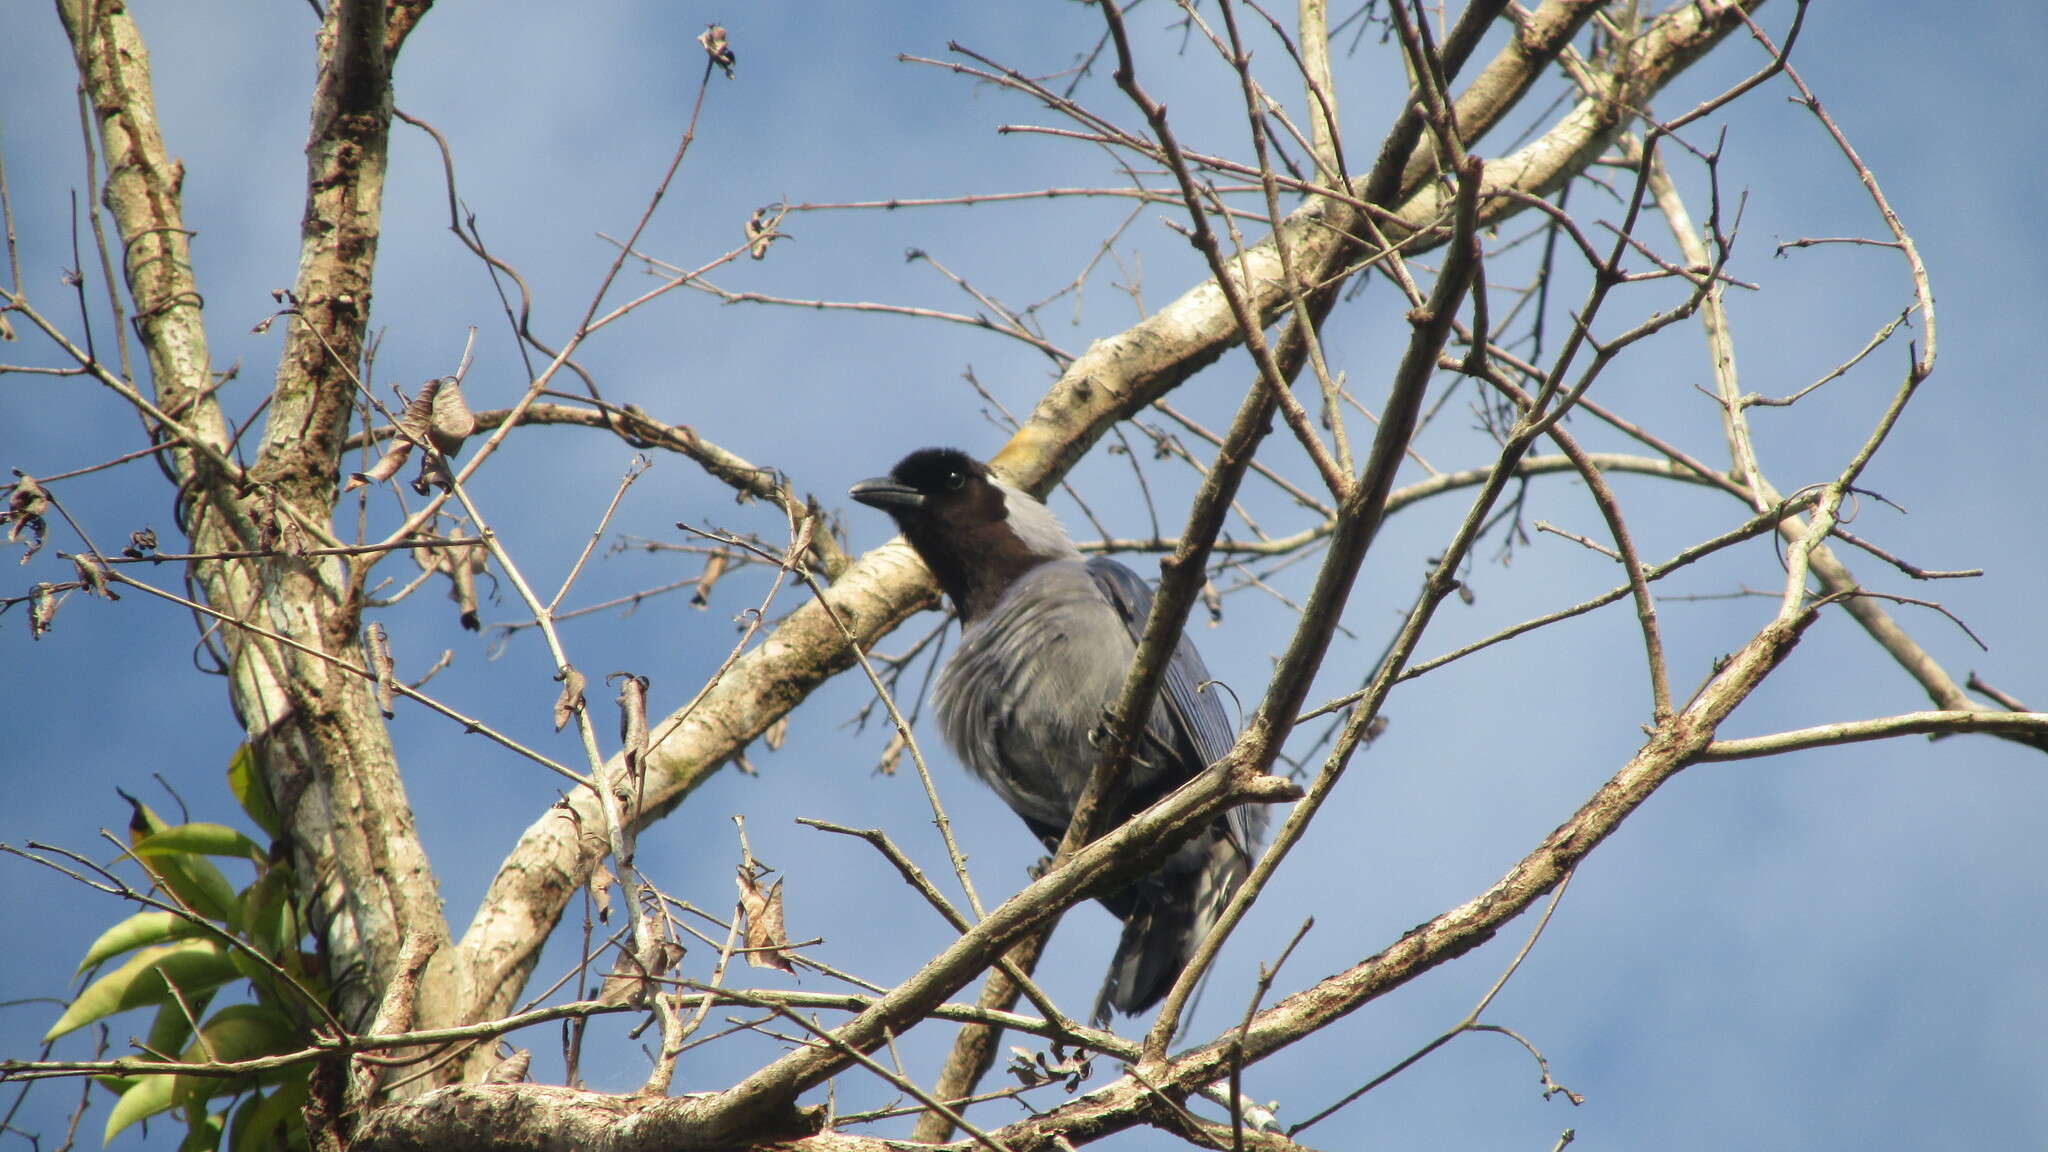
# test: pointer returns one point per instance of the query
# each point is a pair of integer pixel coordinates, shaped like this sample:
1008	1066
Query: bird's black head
974	530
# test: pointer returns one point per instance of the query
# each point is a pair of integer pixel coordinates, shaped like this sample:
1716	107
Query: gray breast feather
1033	677
1029	680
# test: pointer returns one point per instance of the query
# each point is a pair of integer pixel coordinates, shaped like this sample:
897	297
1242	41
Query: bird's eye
955	481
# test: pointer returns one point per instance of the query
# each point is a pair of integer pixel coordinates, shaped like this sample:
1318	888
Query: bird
1047	638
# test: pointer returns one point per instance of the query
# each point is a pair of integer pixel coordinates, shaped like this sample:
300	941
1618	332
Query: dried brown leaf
438	416
418	415
462	574
461	564
433	474
1033	1069
626	983
764	227
892	756
632	719
92	572
601	882
570	702
767	943
450	421
777	733
715	46
27	497
42	608
26	504
413	424
395	455
632	978
512	1069
714	567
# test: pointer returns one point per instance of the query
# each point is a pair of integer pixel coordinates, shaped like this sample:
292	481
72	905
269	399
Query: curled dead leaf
42	608
463	567
715	46
410	430
450	422
461	564
626	983
92	572
387	466
512	1069
570	702
767	943
892	756
1034	1069
632	719
632	979
438	416
433	474
764	227
714	567
601	882
26	503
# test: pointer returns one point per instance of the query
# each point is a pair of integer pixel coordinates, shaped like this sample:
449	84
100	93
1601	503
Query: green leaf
195	881
253	969
261	1119
235	1033
244	1032
241	1126
191	878
138	930
269	918
148	1096
196	966
172	1028
252	792
202	838
202	1131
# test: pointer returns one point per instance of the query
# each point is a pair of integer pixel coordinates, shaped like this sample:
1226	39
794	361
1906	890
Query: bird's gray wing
1199	729
1166	914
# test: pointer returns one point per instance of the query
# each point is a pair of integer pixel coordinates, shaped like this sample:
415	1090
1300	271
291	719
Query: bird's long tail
1169	916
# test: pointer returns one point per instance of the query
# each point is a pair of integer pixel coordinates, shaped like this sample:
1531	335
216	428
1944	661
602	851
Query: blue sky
1834	950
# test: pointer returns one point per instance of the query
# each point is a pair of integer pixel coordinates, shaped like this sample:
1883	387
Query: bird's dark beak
886	494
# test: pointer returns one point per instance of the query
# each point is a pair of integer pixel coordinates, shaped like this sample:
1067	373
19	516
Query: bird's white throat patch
1034	523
